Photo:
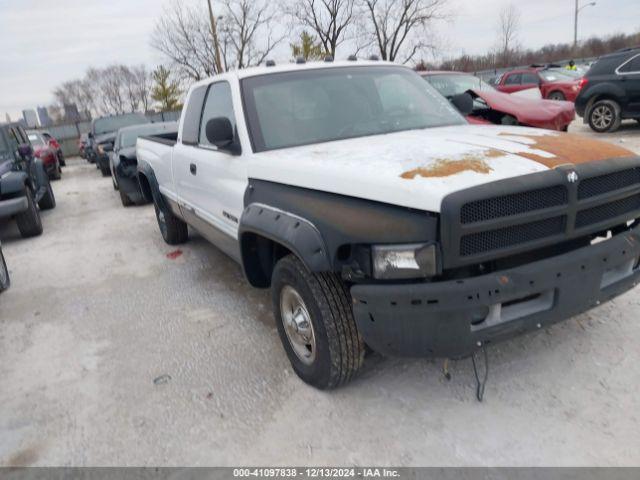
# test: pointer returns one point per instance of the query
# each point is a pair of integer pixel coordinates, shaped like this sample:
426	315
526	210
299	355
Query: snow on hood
418	168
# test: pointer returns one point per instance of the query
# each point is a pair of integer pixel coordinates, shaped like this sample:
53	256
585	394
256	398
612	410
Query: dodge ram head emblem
572	177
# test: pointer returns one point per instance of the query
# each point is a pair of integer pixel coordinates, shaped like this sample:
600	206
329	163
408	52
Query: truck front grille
601	213
514	204
592	187
516	215
510	236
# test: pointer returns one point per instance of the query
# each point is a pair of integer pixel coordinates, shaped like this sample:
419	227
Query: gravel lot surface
112	353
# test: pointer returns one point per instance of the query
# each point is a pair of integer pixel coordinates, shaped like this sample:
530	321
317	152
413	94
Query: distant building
7	117
71	113
43	117
30	118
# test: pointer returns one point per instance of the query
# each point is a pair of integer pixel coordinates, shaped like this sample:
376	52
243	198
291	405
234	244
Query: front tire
29	222
106	172
48	200
124	198
316	325
605	116
4	274
557	96
173	230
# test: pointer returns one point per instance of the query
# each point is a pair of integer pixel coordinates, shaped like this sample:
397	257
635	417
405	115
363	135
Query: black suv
24	183
611	91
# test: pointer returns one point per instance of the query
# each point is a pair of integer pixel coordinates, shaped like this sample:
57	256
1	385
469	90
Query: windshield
314	106
36	140
111	124
450	85
557	76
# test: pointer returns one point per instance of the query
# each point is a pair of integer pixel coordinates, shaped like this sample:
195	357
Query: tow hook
480	383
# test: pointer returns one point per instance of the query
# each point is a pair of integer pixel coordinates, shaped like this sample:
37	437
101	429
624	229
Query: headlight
394	262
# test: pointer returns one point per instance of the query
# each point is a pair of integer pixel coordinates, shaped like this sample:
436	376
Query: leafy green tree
308	48
166	91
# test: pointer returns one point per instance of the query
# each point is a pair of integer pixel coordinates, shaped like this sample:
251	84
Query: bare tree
136	82
508	27
330	20
183	34
247	28
401	26
143	85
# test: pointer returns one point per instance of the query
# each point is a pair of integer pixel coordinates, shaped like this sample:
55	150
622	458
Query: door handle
193	169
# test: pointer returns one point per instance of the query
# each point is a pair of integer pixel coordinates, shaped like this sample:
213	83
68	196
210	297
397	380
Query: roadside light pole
216	44
575	24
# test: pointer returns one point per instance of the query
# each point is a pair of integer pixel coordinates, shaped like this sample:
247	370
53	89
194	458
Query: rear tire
316	325
173	230
29	222
61	159
57	174
48	200
605	116
557	96
124	198
5	281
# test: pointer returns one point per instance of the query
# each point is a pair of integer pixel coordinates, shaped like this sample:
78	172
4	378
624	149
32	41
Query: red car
44	152
55	145
491	106
554	83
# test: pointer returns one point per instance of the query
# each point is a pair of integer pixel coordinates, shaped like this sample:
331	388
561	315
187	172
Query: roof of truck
294	67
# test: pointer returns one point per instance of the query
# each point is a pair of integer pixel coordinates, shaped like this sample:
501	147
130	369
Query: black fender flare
295	233
145	170
13	182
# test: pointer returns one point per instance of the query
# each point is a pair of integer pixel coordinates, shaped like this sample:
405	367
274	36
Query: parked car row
379	217
481	103
27	163
604	96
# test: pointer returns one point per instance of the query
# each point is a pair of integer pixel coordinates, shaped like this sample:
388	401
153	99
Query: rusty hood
418	168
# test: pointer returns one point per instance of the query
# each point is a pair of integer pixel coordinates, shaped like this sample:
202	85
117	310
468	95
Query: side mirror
25	151
219	132
463	103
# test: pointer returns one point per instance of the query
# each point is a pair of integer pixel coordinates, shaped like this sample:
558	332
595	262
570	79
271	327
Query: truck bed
169	138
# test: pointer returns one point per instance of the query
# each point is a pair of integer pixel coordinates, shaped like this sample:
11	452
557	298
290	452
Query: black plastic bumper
453	318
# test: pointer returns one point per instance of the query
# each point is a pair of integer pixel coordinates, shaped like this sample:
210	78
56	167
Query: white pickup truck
378	216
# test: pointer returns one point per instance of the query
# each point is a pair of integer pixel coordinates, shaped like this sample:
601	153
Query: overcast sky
46	42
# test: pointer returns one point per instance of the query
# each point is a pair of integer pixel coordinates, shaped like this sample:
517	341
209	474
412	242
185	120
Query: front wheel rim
297	324
602	117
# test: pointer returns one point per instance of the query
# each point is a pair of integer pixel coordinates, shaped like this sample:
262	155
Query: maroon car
491	106
554	83
44	152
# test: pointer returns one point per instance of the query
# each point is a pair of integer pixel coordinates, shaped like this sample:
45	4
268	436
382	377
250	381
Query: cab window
217	104
530	78
513	79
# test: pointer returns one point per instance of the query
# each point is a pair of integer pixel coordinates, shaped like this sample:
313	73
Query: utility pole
214	34
575	22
